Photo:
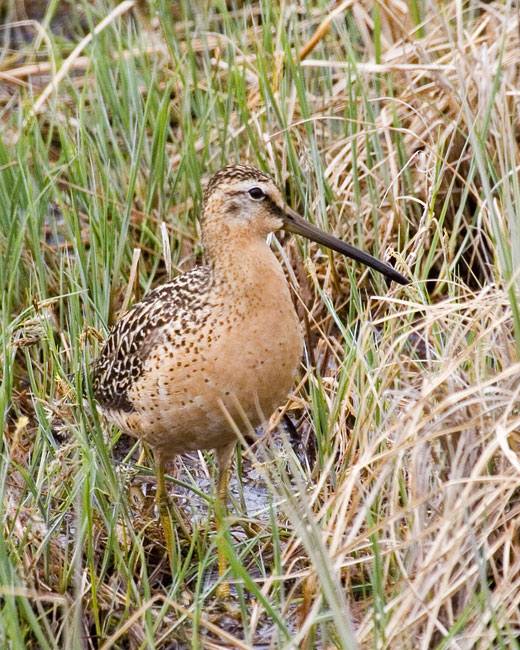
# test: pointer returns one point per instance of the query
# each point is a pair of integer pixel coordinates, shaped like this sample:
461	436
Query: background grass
385	514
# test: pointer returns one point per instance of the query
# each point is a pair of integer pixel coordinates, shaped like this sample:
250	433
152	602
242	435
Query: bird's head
244	200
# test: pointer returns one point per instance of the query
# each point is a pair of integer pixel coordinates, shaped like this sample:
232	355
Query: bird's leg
224	456
162	499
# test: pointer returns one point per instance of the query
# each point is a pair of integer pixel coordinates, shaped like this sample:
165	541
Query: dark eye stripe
275	208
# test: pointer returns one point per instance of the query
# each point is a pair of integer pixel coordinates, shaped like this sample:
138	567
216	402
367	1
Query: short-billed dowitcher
220	341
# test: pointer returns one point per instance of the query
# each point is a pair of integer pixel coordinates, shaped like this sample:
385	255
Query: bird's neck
242	262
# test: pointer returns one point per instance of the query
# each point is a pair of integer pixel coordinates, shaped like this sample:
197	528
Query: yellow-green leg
163	503
224	456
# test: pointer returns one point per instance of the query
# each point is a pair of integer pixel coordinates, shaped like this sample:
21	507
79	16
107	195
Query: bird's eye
256	193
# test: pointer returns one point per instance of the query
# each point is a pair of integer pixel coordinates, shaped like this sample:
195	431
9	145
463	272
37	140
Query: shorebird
219	342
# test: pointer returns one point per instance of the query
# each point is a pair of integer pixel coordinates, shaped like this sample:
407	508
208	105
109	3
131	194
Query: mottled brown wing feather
123	355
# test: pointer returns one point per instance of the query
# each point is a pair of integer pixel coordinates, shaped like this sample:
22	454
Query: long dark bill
296	224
